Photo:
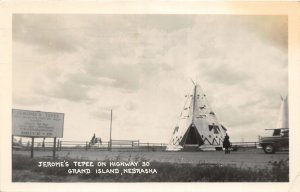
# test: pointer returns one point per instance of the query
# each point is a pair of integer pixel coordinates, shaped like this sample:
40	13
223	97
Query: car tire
269	149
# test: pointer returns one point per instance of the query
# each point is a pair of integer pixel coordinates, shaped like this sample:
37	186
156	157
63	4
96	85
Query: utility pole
110	144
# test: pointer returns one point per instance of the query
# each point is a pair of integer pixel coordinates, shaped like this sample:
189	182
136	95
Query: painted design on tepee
198	124
283	119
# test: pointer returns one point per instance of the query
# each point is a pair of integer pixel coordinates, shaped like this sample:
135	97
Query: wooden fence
117	145
237	145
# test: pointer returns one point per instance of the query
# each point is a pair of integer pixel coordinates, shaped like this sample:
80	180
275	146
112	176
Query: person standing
226	144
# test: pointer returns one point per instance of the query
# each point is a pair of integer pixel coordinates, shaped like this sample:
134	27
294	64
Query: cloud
271	29
130	106
101	114
29	100
71	91
141	65
224	74
83	79
73	87
47	33
124	76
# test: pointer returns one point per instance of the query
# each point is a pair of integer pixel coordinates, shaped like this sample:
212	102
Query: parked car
278	141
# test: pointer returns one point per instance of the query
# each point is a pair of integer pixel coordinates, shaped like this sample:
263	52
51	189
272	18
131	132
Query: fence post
32	147
108	144
54	147
60	145
43	145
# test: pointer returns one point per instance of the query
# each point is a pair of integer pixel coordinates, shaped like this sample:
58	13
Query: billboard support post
12	143
54	147
32	147
110	141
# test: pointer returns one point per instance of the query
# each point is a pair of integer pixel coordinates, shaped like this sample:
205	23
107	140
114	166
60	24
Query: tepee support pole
193	114
193	82
194	103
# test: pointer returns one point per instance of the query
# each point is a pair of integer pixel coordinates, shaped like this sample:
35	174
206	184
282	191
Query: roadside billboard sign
27	123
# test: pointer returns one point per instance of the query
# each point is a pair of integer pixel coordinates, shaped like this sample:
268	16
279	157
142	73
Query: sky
141	67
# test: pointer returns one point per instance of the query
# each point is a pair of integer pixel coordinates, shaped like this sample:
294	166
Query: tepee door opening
192	137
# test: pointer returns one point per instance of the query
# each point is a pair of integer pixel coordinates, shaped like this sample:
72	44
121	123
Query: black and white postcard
193	95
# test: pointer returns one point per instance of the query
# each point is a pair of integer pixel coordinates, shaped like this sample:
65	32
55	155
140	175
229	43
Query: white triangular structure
198	125
283	120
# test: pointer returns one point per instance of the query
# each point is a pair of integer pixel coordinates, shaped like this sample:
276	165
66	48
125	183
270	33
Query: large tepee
283	119
198	125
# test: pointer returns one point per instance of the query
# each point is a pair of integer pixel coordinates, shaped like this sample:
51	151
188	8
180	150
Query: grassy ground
253	158
27	170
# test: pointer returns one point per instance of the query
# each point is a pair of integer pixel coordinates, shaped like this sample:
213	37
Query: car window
276	132
284	133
